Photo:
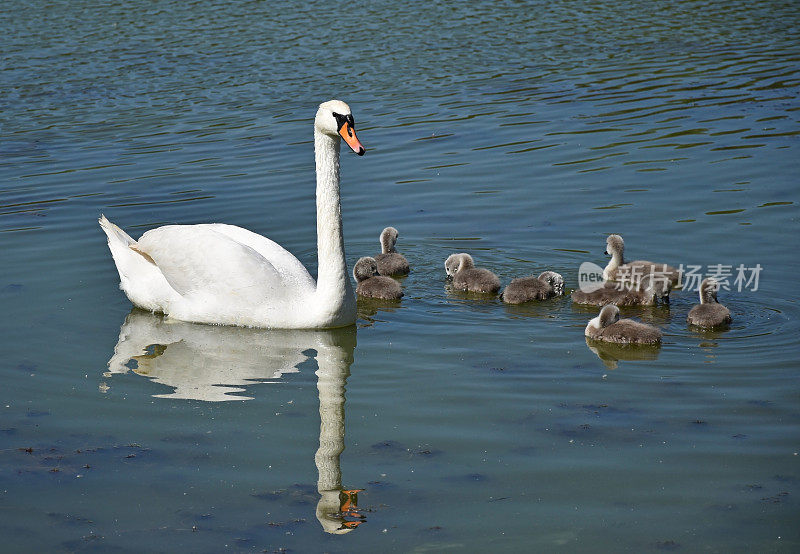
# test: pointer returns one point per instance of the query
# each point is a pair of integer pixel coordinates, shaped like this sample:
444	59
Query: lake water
523	133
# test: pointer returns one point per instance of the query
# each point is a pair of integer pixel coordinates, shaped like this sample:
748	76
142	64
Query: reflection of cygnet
644	293
609	327
618	269
372	285
709	313
611	353
467	277
390	261
525	289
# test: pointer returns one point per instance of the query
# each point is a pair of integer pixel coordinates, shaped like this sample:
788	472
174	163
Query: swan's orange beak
348	133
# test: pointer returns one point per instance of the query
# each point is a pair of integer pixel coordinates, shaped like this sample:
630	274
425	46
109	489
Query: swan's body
709	313
467	277
620	270
643	293
390	261
223	274
610	328
372	285
525	289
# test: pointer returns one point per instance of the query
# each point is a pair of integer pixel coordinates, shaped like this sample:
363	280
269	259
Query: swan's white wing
200	262
281	259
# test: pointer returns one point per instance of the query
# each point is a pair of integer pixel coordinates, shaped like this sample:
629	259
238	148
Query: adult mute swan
223	274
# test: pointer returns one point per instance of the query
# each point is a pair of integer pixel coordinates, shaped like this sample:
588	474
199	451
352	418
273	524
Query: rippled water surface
523	133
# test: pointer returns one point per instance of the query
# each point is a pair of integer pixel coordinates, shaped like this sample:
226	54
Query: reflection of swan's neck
334	368
331	377
334	291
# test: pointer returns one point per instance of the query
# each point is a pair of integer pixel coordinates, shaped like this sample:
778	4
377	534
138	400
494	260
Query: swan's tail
122	249
114	233
139	277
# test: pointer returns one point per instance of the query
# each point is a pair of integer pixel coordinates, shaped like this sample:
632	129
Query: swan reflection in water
611	353
211	363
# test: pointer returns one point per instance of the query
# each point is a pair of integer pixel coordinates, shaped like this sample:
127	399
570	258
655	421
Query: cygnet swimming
372	285
709	313
645	292
620	270
467	277
390	261
610	328
525	289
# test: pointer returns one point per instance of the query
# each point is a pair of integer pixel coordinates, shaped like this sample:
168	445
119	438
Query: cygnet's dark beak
606	252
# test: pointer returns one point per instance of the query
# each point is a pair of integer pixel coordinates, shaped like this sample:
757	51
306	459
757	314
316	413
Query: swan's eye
342	119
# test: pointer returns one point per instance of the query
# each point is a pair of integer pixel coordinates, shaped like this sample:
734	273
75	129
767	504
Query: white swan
223	274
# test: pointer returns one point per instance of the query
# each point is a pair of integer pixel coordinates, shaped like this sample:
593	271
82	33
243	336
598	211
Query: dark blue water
523	133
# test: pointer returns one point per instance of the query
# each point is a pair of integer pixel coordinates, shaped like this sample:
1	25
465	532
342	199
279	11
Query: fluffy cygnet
372	285
618	269
390	261
525	289
467	277
644	293
709	313
610	328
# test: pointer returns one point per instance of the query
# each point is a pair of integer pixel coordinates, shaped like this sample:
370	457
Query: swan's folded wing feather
281	259
199	261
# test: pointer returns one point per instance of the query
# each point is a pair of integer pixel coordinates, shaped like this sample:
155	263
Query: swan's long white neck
334	291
